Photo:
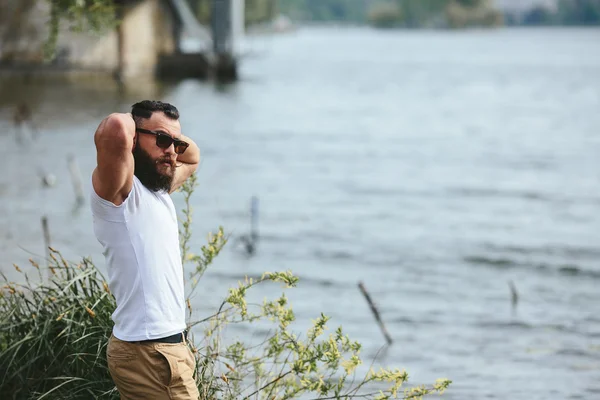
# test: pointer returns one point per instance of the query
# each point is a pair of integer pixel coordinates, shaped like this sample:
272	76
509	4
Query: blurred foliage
435	13
325	10
579	12
256	11
384	15
536	16
388	13
92	16
568	12
418	13
467	13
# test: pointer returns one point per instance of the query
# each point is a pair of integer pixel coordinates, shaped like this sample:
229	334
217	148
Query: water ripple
508	263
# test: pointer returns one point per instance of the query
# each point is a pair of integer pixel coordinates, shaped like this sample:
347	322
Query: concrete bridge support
227	27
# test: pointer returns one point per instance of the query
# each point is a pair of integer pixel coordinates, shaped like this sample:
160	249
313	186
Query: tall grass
54	334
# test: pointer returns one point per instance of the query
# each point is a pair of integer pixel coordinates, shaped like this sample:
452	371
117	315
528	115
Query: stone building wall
147	30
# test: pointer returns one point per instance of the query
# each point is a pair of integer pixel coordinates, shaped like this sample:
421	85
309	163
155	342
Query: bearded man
142	158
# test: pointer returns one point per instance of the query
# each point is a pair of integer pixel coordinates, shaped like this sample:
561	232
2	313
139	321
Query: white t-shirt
141	246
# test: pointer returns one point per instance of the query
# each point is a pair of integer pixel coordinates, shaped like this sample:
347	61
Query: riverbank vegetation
56	326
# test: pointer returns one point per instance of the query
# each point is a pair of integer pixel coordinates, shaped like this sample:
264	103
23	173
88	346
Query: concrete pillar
238	25
228	27
221	26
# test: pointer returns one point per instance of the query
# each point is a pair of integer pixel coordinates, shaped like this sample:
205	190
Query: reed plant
54	333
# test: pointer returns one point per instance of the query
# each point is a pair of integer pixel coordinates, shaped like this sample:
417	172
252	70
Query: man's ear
135	138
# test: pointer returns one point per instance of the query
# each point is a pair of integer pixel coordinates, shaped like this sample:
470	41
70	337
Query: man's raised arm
115	138
187	163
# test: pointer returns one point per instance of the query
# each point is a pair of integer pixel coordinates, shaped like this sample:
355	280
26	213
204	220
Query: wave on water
577	252
494	193
545	328
505	325
500	262
491	193
509	263
333	255
304	279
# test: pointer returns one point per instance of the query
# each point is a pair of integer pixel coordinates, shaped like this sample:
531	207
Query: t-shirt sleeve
108	211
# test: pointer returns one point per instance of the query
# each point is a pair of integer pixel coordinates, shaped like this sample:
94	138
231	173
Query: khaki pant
152	370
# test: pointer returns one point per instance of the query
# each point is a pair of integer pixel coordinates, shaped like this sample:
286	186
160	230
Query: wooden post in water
76	179
388	338
46	232
514	295
250	241
22	119
254	219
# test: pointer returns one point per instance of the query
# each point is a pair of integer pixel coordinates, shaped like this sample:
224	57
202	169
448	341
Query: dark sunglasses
164	141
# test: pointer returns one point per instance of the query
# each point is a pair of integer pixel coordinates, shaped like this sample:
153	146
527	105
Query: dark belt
176	338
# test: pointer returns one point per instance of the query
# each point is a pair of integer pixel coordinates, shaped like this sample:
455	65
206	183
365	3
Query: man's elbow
195	156
117	129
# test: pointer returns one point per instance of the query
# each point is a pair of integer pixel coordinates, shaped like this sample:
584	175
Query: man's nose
170	150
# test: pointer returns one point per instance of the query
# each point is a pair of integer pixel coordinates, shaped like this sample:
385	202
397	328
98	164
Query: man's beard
146	169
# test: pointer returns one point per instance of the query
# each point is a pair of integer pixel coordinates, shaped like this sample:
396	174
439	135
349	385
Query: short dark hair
145	109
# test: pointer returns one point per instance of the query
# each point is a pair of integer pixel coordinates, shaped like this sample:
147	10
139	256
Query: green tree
417	13
92	16
384	15
578	12
325	10
539	16
452	13
255	11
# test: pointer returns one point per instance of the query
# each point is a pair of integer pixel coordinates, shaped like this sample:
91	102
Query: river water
435	167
